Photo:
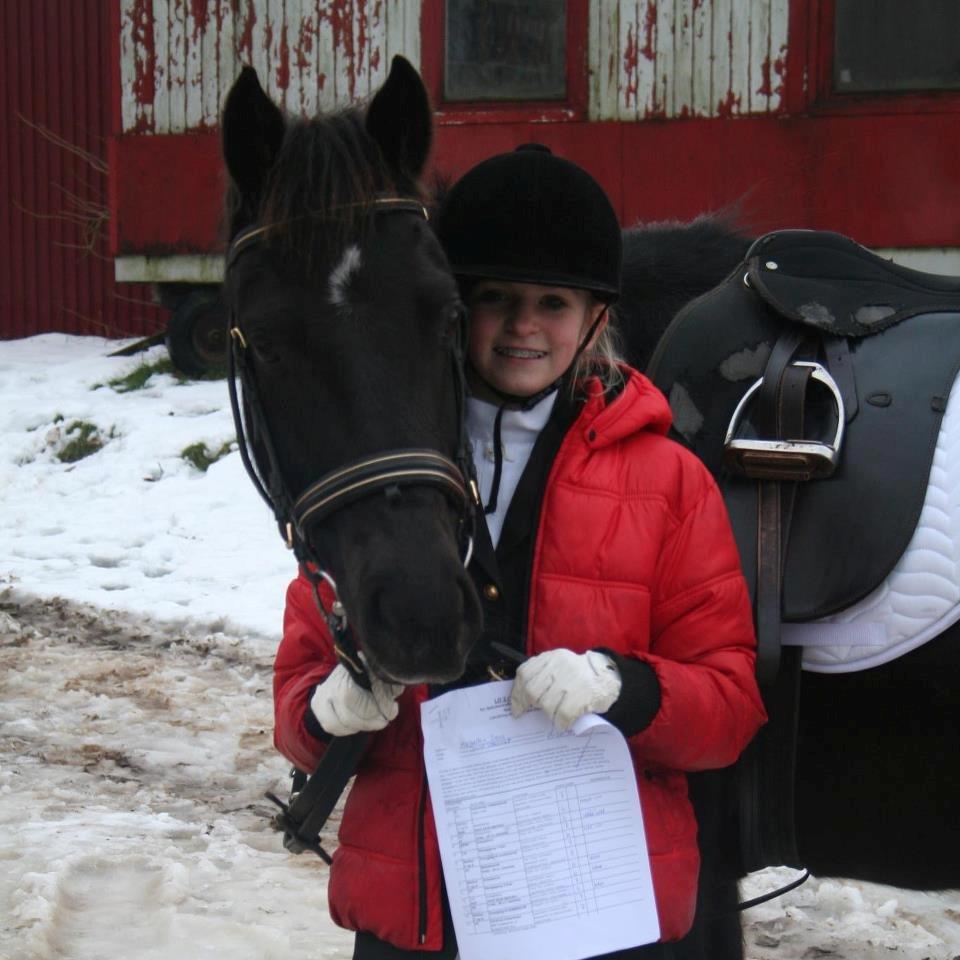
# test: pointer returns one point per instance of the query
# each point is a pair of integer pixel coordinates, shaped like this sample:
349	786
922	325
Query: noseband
388	472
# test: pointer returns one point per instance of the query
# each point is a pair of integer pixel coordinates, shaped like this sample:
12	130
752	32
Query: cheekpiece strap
344	644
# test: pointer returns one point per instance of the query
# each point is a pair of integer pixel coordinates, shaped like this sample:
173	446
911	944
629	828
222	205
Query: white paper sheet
541	835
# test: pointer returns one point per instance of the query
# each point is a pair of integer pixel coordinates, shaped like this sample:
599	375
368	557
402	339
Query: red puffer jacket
634	553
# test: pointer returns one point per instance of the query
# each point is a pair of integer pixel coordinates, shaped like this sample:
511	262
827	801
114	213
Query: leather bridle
388	472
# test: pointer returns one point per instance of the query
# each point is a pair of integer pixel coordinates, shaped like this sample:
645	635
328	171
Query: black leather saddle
812	382
886	336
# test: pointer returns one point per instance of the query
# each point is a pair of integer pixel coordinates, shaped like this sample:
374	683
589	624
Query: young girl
606	559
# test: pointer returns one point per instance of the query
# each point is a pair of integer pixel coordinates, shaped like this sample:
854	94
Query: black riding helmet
532	217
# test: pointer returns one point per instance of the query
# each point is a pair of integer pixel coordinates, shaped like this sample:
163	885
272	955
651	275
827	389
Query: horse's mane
316	194
676	254
665	265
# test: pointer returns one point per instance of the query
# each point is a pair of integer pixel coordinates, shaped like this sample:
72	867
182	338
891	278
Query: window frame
818	25
433	64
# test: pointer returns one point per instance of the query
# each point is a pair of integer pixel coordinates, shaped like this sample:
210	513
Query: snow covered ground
140	606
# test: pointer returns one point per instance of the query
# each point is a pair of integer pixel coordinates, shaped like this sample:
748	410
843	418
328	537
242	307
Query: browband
378	205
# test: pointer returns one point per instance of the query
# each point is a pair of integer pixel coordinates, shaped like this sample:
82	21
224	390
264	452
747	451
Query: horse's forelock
315	201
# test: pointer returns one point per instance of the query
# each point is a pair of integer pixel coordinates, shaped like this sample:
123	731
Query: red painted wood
167	194
56	75
802	48
879	171
595	146
884	180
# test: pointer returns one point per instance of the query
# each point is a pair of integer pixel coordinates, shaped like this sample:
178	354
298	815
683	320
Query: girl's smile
523	336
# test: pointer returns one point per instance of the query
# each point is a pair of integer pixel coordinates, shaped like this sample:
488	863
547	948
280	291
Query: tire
197	334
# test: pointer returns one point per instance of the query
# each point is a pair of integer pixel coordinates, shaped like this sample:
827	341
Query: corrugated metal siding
55	115
686	58
179	57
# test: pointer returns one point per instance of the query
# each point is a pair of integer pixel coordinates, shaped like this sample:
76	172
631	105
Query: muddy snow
133	762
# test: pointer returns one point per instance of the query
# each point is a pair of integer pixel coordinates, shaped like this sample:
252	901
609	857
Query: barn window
505	50
891	46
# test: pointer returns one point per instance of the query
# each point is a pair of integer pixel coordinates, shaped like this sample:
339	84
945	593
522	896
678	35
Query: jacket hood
639	406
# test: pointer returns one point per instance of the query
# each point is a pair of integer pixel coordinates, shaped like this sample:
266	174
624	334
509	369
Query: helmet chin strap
522	403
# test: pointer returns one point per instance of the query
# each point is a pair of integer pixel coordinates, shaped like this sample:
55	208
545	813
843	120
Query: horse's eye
264	348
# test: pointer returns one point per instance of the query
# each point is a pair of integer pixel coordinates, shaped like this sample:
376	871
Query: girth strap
766	771
775	500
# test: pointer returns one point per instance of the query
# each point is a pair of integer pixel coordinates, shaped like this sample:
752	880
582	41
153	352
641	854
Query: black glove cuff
311	722
639	698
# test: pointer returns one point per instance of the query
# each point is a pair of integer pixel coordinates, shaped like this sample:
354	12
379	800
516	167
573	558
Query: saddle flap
831	283
850	530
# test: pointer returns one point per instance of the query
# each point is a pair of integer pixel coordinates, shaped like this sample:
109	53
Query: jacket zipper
422	859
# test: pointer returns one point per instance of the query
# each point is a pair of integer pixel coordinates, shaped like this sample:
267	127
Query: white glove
343	707
565	685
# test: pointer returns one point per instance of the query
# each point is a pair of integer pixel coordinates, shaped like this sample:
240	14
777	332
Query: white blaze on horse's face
341	274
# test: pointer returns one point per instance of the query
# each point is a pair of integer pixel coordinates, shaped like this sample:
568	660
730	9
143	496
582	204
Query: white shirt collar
519	430
517	426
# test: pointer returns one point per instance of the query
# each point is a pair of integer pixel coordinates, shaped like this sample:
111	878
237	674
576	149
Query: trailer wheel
197	334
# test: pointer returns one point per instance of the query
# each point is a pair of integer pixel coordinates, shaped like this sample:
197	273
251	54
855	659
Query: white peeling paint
310	55
686	58
647	58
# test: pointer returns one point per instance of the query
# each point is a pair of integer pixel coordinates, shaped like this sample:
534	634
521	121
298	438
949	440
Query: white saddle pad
921	596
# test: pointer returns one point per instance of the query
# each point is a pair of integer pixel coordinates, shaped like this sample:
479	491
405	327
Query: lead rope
772	895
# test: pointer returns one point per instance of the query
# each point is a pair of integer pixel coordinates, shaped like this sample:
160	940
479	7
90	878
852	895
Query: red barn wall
55	113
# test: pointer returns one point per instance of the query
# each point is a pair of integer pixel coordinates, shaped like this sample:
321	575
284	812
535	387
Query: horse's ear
252	131
399	120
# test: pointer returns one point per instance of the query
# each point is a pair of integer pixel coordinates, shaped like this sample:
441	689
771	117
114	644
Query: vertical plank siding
179	57
55	111
649	59
686	58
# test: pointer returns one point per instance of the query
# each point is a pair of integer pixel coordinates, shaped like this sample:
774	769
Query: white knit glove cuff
566	685
343	707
